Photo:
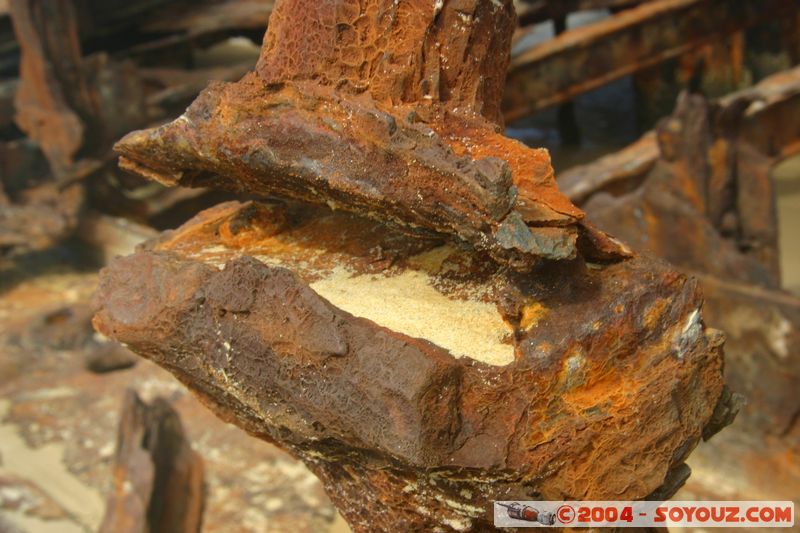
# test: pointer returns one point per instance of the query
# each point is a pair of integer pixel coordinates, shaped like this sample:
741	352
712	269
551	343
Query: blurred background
675	124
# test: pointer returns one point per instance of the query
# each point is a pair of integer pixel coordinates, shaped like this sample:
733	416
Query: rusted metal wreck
424	318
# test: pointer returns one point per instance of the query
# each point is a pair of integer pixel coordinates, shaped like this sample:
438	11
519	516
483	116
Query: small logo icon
527	513
566	514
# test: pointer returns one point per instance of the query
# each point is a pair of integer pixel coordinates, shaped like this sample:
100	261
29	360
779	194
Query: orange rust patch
531	315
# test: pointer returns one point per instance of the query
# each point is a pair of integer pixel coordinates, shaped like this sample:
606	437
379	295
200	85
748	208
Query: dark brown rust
588	57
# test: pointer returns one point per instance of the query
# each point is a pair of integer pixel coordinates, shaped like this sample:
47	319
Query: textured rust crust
418	52
389	109
612	381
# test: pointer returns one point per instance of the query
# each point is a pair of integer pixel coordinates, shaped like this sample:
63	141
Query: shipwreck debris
109	356
72	106
83	82
158	479
700	182
585	58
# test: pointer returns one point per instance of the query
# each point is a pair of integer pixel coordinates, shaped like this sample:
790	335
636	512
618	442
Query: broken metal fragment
588	57
391	111
418	380
158	479
72	106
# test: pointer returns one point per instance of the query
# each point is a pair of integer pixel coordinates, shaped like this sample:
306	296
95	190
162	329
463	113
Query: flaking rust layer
611	377
389	109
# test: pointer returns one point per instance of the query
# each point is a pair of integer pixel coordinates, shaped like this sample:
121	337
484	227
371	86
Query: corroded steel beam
585	58
52	94
534	11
